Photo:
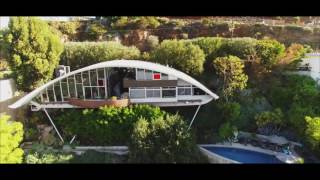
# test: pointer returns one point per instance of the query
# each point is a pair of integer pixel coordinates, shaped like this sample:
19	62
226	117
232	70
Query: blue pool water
244	156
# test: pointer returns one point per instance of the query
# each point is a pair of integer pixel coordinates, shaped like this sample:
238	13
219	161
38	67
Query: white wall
7	89
314	62
4	21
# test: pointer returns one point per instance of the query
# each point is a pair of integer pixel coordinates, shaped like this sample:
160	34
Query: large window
184	91
169	92
140	74
137	93
148	75
153	92
198	91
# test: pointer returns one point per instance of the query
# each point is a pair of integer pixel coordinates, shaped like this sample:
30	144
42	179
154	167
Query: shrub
107	125
269	51
230	71
32	49
81	54
121	22
68	28
226	131
96	31
313	132
147	22
11	134
209	45
48	158
230	111
186	57
240	47
152	42
162	140
272	118
297	95
293	55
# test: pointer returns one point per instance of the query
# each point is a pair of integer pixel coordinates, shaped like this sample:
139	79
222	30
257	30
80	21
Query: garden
250	75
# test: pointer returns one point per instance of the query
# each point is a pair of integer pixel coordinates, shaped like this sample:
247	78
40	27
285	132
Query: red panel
156	76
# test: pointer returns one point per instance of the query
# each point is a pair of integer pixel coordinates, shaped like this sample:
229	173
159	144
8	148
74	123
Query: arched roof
117	63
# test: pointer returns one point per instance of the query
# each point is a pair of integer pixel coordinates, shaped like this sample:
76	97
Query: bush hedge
107	125
165	139
183	56
81	54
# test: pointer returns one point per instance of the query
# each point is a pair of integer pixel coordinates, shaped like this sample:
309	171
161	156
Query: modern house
118	83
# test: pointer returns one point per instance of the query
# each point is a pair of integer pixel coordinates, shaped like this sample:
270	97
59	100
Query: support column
194	116
44	109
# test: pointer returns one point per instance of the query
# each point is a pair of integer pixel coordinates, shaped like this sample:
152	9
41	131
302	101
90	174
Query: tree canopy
11	134
33	51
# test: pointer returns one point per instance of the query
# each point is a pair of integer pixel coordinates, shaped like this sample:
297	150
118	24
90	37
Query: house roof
117	63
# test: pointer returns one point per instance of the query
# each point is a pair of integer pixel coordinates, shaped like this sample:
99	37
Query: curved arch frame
117	63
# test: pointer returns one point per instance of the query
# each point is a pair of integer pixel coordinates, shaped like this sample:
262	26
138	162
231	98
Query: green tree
273	118
230	71
163	140
186	57
96	31
107	125
33	51
244	48
81	54
209	45
269	51
230	111
226	131
11	134
313	132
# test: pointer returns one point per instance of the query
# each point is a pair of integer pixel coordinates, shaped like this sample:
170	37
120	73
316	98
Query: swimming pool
244	156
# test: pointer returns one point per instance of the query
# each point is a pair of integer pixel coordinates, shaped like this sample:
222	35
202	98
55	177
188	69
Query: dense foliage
33	49
244	48
68	28
269	52
209	45
48	158
275	119
81	54
135	22
96	31
297	96
313	132
230	70
226	131
11	134
105	126
186	57
165	139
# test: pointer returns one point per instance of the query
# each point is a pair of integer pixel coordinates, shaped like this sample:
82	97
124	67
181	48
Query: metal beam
68	87
62	99
54	93
194	116
105	83
44	109
98	82
75	86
